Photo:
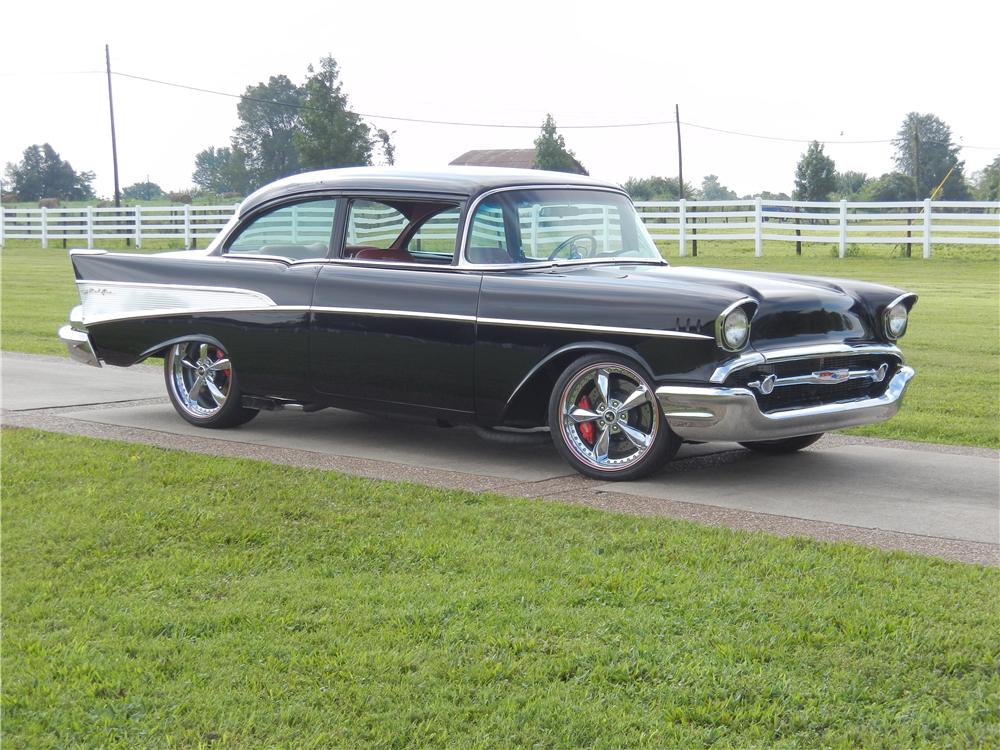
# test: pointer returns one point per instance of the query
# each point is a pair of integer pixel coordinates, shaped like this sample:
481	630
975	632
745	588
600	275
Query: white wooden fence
921	223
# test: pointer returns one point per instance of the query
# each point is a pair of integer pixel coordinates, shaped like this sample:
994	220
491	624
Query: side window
300	231
436	236
372	224
488	237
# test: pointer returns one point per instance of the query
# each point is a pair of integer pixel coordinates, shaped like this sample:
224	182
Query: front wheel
788	445
606	421
202	386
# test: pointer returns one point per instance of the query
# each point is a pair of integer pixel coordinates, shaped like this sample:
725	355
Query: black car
509	300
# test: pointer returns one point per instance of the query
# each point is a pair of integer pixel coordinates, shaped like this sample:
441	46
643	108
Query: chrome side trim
79	346
595	329
732	414
389	313
749	359
104	301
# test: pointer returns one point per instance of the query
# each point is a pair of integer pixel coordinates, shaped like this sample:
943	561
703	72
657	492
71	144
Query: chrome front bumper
731	414
79	346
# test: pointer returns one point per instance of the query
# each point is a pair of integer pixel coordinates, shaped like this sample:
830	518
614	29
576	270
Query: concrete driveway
933	499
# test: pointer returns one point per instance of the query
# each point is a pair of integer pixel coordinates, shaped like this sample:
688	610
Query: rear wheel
202	385
606	421
788	445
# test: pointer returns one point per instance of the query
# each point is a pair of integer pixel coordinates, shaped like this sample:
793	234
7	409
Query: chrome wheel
607	421
202	386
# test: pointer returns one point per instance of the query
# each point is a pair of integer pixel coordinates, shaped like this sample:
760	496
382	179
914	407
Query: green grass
156	599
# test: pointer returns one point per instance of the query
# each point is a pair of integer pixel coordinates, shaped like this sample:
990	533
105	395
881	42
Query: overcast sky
774	75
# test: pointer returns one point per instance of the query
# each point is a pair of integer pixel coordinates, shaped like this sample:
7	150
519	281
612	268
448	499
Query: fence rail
923	223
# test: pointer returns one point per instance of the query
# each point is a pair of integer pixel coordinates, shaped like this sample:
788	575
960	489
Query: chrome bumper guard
79	346
732	415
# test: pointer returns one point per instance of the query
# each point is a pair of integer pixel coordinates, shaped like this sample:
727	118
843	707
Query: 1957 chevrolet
509	300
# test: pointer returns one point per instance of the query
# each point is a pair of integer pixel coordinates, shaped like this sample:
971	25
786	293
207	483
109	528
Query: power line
519	127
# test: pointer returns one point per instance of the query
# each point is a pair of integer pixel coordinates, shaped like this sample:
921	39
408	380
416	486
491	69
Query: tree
551	152
893	186
264	141
43	174
655	188
213	170
924	151
815	175
986	182
142	191
849	184
712	190
330	134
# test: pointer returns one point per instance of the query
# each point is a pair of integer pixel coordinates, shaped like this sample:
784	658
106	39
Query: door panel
394	334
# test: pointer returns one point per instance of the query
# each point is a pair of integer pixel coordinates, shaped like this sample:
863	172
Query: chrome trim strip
595	329
732	414
79	346
389	313
104	301
750	359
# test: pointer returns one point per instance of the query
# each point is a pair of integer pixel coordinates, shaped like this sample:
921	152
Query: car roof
468	181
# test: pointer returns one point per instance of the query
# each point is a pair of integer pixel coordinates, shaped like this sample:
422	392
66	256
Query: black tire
788	445
621	437
202	386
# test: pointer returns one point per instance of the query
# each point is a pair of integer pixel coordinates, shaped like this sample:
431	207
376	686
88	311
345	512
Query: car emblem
832	376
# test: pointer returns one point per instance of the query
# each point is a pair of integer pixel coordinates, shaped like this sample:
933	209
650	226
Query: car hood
794	310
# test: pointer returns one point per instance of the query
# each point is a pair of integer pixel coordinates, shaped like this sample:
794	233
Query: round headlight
735	329
895	320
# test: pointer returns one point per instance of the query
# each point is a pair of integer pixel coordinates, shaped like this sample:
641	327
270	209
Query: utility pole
680	160
114	145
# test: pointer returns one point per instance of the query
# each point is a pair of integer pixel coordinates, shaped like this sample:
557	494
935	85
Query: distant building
519	158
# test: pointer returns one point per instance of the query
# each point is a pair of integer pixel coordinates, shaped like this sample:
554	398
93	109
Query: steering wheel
571	242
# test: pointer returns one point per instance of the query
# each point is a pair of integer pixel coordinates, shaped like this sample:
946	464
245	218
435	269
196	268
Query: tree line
927	166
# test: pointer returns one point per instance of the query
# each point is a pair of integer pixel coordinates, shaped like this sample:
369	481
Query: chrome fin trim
104	301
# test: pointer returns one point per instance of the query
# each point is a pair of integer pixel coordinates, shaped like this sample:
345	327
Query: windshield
530	226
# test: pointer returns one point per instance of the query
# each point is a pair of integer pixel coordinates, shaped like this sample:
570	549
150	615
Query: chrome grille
801	395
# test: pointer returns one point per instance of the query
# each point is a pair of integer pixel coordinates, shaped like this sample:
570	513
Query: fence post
798	233
694	231
3	222
187	226
758	228
681	226
927	227
90	227
138	225
843	227
45	228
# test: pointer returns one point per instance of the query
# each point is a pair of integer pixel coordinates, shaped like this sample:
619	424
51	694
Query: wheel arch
160	349
528	404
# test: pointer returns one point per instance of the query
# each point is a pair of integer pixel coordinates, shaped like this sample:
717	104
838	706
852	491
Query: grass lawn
157	599
953	339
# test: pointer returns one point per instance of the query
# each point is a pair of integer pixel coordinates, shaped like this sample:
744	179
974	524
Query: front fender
528	403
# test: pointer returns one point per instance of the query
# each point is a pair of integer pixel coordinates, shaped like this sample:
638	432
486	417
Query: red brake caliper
586	428
219	354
